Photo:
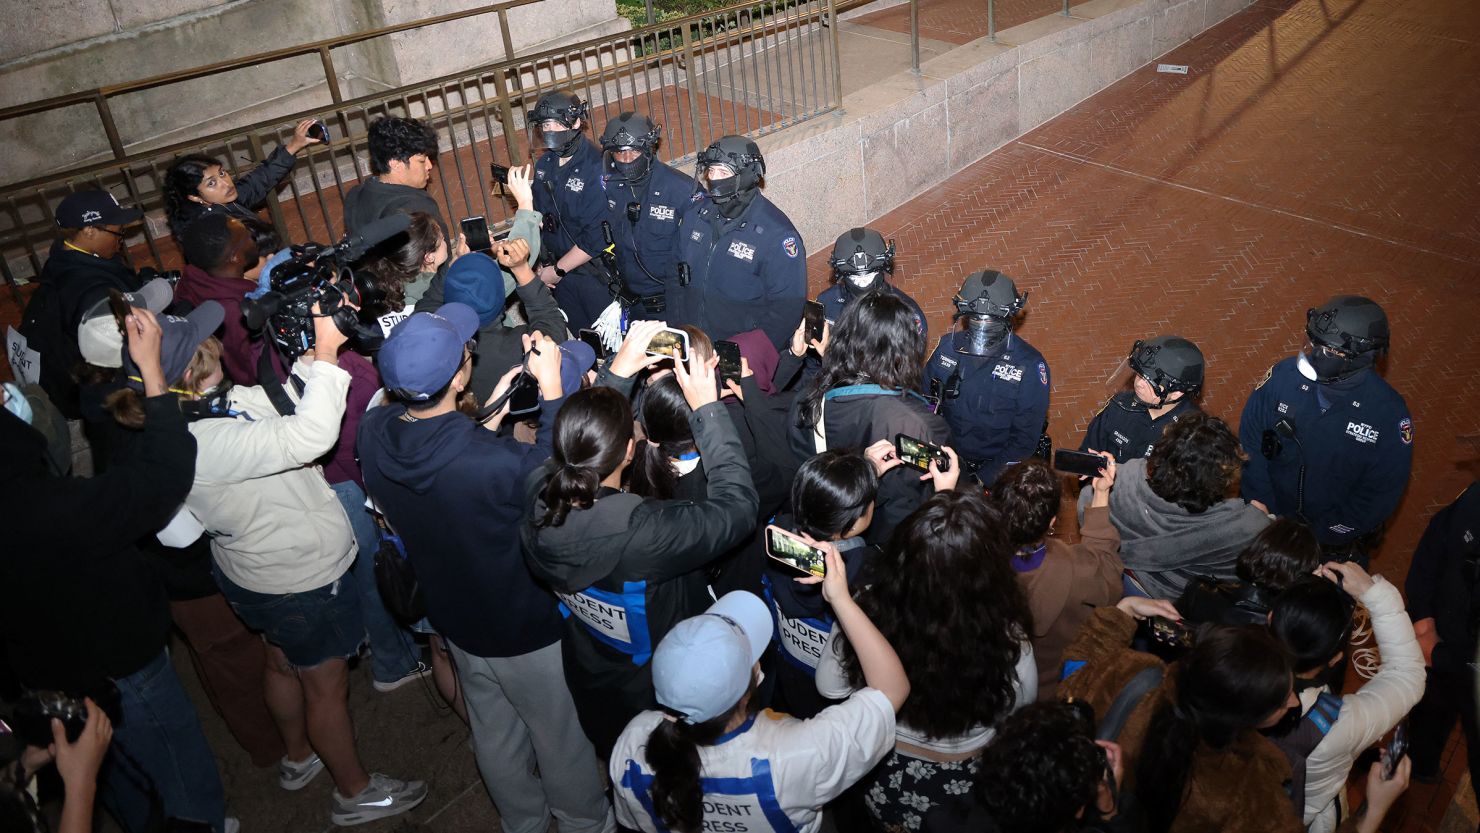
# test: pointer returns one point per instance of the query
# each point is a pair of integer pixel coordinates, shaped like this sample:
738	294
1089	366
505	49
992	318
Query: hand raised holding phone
696	380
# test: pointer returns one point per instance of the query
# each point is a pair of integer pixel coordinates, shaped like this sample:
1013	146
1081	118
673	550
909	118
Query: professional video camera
319	274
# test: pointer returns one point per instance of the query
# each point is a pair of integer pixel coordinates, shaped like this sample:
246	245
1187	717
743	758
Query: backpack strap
1126	701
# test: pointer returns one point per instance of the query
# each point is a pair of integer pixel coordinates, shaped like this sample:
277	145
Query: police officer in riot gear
644	200
992	386
742	263
568	194
862	263
1168	377
1328	440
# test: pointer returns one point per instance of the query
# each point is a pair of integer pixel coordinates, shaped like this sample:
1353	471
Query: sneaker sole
386	688
299	783
363	816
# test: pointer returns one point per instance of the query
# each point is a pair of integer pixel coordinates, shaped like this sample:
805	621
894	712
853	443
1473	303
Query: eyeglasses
120	235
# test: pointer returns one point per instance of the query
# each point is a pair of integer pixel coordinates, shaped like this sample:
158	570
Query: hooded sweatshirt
1165	544
452	490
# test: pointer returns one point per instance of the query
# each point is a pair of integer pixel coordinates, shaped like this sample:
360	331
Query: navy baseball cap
476	280
424	352
179	337
576	358
94	208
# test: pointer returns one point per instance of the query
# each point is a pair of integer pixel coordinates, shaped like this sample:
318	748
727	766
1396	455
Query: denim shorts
310	627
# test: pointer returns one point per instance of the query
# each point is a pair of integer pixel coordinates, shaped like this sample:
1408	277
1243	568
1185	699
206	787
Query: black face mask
634	171
563	142
1334	367
723	191
984	334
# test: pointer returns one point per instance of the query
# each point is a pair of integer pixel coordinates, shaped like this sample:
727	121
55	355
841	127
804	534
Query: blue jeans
159	753
392	650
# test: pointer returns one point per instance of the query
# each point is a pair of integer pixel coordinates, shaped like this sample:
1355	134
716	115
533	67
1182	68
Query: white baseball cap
99	337
702	667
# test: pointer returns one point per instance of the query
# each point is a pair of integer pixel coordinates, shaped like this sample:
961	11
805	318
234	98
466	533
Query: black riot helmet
629	131
989	293
860	258
1349	332
1168	364
564	107
740	155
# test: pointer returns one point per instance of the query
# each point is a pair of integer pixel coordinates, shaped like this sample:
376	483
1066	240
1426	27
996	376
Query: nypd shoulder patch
790	246
1405	431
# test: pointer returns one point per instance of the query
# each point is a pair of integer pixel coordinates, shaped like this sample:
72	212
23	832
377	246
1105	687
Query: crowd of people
685	550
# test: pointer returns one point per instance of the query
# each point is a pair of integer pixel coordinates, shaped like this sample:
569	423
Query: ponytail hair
592	431
673	753
1231	681
665	421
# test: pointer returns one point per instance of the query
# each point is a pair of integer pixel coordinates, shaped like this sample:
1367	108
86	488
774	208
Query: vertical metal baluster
685	35
462	180
478	166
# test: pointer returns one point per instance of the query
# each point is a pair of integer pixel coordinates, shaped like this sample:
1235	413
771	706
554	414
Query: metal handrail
311	48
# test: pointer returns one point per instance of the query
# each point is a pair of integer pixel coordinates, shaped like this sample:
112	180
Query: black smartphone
813	314
593	340
500	173
789	549
1169	632
524	396
475	231
319	130
1397	747
120	308
917	453
671	343
729	361
1081	463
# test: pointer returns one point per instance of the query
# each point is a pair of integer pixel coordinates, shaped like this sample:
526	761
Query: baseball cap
425	350
99	336
94	208
178	341
703	666
476	280
576	358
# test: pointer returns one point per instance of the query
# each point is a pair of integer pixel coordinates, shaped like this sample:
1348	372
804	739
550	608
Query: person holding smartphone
628	568
704	757
1313	618
196	185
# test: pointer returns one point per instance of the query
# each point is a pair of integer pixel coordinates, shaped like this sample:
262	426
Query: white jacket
1371	711
276	527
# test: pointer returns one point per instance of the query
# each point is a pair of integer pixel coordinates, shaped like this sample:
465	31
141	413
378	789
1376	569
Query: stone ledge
884	146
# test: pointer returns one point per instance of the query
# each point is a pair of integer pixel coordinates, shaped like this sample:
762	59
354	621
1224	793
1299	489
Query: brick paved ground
1314	148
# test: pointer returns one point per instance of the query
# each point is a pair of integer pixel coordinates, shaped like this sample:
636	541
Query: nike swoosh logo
384	802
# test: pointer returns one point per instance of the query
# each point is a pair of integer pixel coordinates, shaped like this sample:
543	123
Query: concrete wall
886	147
82	44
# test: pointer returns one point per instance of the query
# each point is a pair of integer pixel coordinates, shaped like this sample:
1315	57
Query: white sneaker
421	670
382	797
295	776
232	825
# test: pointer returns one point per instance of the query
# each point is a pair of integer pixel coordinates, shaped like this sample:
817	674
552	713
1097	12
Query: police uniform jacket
1356	455
998	416
745	274
646	247
627	569
1125	427
1444	580
571	200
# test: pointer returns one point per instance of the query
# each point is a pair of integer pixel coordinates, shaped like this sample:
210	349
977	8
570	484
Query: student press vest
617	619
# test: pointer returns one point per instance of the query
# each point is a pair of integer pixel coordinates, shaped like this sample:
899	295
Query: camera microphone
354	247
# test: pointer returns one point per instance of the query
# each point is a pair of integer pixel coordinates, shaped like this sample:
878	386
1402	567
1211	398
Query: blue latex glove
264	278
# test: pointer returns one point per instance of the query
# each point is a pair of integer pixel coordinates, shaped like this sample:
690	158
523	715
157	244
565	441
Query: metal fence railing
750	68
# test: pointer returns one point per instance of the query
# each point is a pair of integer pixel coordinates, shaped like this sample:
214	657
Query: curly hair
394	138
1194	464
181	182
1028	495
591	435
1281	553
949	603
875	340
1229	682
1041	770
383	273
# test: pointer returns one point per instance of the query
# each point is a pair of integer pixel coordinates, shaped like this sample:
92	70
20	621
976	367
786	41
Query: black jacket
1444	580
855	421
452	490
499	345
71	282
372	199
83	604
652	552
252	189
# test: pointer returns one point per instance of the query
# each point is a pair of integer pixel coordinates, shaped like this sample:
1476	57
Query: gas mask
1327	366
